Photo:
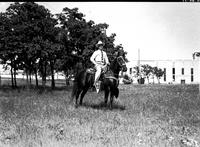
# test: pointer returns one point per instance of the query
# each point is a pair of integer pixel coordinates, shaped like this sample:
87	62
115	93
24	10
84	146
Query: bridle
121	61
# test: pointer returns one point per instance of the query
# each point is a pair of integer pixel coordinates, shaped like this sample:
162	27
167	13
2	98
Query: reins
121	62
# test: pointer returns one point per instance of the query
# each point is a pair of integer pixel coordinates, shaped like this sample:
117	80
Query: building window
182	70
173	71
173	77
130	71
164	74
192	74
173	74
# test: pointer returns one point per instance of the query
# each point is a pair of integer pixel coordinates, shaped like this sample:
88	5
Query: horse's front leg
111	100
77	96
106	93
83	94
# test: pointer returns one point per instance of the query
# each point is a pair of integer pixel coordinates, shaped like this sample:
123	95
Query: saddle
93	70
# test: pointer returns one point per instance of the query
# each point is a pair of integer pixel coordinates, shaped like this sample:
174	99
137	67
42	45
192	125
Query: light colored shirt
97	58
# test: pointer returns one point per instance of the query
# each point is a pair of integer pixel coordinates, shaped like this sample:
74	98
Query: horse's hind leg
77	96
82	95
106	95
111	100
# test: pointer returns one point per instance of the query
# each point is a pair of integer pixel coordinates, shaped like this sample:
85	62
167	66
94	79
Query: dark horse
84	80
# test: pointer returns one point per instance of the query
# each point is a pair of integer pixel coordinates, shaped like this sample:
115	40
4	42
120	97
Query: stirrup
97	89
97	86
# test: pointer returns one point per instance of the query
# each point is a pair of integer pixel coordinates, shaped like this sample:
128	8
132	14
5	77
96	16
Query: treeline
147	71
40	43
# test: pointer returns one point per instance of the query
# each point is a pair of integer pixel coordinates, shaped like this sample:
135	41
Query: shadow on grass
103	106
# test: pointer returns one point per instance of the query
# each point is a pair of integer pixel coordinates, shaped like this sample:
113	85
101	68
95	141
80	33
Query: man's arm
93	57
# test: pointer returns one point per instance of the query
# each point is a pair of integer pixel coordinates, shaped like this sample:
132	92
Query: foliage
158	72
147	71
127	79
36	41
80	37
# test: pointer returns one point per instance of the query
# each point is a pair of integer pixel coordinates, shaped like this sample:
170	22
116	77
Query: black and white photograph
100	74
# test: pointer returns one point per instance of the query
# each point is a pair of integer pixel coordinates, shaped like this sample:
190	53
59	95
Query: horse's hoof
76	105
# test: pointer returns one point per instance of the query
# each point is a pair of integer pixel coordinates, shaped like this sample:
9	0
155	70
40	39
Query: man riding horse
100	60
85	78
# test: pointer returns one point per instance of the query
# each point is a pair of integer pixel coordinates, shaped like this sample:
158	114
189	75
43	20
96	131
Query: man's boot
97	86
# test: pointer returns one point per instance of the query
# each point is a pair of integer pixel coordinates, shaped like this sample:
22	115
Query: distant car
127	79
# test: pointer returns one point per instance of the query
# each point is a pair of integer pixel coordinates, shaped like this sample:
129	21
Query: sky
160	30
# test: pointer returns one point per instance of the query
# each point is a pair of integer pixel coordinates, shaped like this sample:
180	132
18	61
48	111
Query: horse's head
118	63
121	61
122	64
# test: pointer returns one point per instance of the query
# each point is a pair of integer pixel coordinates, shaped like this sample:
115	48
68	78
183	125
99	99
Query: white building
176	71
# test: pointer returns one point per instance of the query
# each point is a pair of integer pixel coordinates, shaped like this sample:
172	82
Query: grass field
143	116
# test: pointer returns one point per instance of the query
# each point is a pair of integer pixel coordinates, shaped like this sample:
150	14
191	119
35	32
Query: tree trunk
27	79
15	80
27	82
30	77
11	71
148	79
67	78
36	78
158	80
153	79
44	75
52	75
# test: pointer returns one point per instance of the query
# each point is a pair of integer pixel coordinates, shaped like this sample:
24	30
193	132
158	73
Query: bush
127	79
141	81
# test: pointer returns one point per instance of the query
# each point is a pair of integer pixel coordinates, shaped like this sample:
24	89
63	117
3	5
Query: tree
33	40
158	72
147	70
10	43
35	30
79	38
138	73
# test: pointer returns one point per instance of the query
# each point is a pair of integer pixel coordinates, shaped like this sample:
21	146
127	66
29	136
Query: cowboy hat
99	43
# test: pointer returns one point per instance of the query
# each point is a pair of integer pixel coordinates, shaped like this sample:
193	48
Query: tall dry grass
144	115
